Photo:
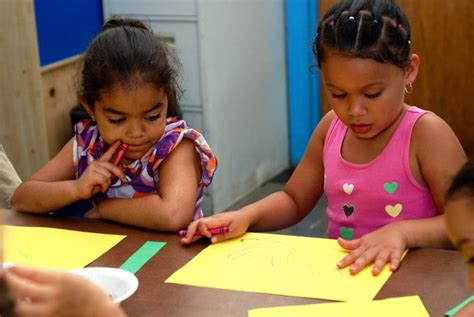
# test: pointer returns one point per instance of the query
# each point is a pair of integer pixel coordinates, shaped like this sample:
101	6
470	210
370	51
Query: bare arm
278	210
54	181
54	186
440	156
302	191
173	208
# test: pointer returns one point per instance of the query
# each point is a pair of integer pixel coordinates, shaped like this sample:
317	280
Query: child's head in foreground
129	85
460	215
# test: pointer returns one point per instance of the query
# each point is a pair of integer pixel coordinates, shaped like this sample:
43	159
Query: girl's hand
99	174
380	246
237	221
57	293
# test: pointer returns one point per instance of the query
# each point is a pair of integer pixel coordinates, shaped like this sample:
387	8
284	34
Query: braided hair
375	29
126	52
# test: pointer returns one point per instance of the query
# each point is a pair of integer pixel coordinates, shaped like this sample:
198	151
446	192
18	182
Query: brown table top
437	276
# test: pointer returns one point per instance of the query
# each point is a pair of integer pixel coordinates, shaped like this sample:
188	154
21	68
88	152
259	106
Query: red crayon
120	154
214	231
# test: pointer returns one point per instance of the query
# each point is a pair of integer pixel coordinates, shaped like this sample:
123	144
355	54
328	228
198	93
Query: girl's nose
356	108
135	130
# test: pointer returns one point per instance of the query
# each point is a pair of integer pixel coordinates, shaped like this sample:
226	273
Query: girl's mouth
136	148
360	128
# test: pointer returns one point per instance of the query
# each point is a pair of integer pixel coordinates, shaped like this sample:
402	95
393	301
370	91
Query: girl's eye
116	121
153	118
373	96
338	96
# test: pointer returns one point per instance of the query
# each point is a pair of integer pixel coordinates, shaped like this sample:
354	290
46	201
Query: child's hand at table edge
384	245
236	221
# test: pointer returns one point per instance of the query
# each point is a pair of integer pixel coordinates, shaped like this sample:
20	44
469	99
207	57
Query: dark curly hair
127	52
463	183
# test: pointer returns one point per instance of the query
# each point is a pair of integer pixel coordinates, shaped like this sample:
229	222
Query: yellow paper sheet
55	248
279	264
392	307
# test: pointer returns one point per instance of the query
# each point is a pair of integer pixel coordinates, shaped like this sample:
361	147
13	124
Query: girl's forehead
336	64
132	89
132	98
337	67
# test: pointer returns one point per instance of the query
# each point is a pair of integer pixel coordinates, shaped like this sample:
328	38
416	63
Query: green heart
390	187
346	233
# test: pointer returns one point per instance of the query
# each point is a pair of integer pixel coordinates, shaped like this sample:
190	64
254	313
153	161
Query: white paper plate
6	265
118	283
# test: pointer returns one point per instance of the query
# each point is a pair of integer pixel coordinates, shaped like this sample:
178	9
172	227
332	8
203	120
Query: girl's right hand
99	174
237	221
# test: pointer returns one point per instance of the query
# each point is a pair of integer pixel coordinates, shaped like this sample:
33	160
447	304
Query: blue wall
65	27
303	76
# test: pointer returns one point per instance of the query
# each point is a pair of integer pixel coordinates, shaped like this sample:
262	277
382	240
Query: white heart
348	188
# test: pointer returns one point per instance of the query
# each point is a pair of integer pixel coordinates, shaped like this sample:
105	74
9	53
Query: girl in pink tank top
364	197
383	165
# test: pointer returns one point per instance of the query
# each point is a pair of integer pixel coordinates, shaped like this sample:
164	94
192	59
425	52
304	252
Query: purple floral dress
142	175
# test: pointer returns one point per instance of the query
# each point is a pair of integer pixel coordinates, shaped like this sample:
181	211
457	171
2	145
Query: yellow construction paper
55	248
392	307
280	264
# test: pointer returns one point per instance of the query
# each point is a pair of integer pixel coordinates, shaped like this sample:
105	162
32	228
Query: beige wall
34	102
22	122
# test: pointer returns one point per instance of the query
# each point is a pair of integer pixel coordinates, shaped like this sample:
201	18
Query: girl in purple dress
129	90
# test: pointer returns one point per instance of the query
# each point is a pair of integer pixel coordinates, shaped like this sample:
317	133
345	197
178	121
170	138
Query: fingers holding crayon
99	174
218	228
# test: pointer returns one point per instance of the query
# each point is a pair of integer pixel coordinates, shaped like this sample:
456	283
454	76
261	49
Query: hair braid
375	29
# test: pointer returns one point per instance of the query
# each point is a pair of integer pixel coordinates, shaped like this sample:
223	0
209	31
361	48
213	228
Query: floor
315	223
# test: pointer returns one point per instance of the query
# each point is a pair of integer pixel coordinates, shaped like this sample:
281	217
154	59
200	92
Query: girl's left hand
380	246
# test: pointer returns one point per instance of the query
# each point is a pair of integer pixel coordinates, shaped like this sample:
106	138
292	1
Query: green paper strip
460	306
141	256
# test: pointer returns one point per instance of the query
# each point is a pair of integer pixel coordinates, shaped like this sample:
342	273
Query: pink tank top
364	197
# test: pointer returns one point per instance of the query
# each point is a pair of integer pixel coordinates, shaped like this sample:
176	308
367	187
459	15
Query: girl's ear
87	107
412	69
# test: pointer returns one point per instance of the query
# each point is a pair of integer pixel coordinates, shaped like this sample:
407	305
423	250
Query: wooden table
437	276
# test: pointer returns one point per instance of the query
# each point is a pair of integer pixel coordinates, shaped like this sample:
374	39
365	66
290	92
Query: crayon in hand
120	154
214	231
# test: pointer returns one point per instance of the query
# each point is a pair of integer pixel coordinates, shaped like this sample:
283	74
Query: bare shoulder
431	132
183	155
323	125
315	145
185	147
438	153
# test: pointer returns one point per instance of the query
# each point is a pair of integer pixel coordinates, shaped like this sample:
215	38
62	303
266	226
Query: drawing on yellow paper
280	264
